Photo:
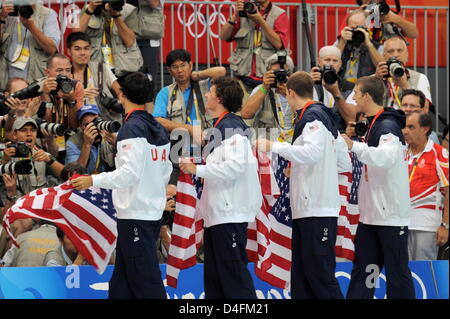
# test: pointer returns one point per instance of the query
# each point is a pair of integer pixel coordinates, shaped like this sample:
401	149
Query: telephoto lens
20	167
329	74
395	67
53	128
109	126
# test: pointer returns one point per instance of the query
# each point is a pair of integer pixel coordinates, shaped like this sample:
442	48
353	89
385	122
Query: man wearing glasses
415	101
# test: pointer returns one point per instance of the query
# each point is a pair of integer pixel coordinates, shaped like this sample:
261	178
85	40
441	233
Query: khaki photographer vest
241	59
125	59
151	21
38	56
176	111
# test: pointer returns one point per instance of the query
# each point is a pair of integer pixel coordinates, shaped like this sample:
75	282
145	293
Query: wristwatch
12	198
445	225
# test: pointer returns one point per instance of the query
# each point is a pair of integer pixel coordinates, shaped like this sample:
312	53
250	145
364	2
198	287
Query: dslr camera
249	8
20	167
109	126
383	8
110	103
329	75
65	84
51	128
361	128
24	9
22	149
281	75
29	92
395	68
358	37
116	5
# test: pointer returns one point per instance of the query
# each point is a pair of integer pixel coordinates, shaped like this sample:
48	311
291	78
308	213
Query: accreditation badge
108	56
22	61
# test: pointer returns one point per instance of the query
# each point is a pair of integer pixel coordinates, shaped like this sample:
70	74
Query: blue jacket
142	169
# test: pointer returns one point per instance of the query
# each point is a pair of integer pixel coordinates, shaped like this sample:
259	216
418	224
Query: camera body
328	74
25	11
358	37
22	149
383	8
112	104
249	8
116	5
281	75
109	126
395	68
361	127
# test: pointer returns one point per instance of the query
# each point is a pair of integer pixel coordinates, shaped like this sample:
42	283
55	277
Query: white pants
422	245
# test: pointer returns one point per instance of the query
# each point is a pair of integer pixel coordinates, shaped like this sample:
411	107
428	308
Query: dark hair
178	54
424	120
59	233
11	81
70	169
229	93
372	86
302	84
76	36
417	93
137	87
54	56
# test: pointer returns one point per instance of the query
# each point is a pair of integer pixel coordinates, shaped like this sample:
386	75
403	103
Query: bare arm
409	29
84	19
227	28
47	44
212	73
125	33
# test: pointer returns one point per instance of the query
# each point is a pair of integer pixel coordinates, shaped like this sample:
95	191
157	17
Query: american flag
274	233
87	217
349	214
269	237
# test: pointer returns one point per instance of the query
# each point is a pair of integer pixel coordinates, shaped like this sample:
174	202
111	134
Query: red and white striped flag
86	217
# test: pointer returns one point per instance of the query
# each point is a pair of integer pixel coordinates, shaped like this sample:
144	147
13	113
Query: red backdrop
435	22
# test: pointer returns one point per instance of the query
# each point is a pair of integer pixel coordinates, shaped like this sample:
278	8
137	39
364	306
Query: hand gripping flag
86	217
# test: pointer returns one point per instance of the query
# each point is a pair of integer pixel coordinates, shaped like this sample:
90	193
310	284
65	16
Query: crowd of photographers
59	114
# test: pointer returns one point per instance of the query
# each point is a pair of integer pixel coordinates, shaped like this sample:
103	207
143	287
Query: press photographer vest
38	56
177	109
267	116
104	113
151	21
241	59
413	81
125	59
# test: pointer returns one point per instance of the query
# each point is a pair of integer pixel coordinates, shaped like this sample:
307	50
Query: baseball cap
87	109
21	121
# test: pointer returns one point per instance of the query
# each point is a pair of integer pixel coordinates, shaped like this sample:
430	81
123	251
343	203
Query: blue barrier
431	281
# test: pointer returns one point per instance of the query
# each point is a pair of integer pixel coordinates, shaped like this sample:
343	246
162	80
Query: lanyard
308	104
106	39
413	168
221	117
393	90
373	122
129	113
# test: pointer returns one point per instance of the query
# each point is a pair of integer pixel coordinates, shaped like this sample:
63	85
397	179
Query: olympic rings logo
205	22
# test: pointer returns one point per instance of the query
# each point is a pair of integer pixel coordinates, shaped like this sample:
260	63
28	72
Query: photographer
151	32
384	205
18	107
267	104
90	147
24	147
98	80
112	27
259	31
330	88
27	39
360	53
63	95
397	77
392	23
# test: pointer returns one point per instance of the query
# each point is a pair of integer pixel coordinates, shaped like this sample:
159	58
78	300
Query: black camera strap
100	78
201	105
274	106
320	92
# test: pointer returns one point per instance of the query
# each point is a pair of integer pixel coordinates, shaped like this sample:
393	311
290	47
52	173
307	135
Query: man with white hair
396	48
329	88
267	104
